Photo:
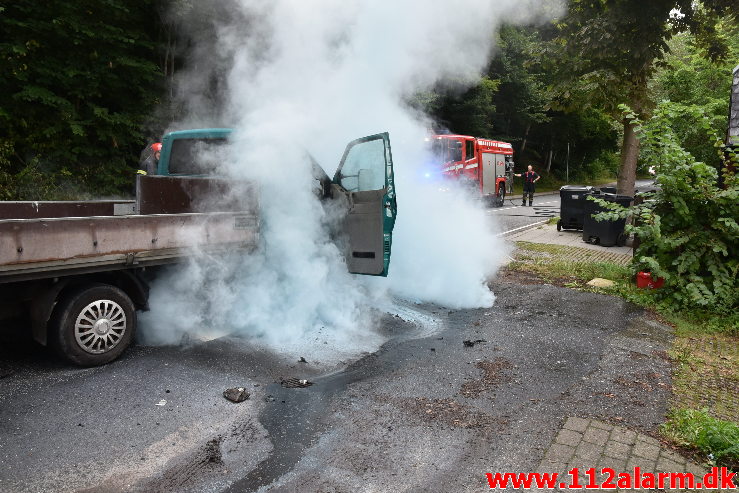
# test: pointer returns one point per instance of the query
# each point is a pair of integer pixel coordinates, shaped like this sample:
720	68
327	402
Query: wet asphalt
424	412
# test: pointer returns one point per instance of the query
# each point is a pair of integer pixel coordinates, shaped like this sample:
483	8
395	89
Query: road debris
494	373
236	395
468	343
295	383
163	402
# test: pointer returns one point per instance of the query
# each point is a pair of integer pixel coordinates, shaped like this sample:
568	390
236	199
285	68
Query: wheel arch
44	303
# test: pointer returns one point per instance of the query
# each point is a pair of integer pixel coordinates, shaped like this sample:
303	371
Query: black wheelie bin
604	233
572	206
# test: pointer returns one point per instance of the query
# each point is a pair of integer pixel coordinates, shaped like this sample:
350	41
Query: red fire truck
487	165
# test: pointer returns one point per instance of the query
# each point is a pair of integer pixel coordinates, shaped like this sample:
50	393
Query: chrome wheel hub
100	326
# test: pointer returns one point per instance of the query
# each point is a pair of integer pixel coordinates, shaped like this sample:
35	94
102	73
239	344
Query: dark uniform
148	165
529	187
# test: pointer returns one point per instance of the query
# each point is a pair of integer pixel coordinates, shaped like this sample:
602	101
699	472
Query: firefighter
150	159
529	180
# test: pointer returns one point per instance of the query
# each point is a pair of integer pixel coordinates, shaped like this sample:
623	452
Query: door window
196	156
470	150
364	167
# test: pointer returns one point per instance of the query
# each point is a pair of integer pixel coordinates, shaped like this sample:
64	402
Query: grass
717	439
705	351
554	262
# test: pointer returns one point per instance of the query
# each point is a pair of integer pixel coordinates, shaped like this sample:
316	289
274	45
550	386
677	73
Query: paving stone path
577	254
586	443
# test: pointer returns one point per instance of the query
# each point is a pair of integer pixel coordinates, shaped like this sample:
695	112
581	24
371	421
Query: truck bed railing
29	247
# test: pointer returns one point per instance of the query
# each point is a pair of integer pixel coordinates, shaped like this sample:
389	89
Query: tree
688	78
78	81
582	140
521	100
607	51
469	111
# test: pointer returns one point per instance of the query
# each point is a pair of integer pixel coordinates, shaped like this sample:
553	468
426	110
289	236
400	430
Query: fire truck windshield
446	150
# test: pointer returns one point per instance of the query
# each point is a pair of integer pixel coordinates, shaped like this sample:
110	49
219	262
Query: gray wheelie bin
604	233
572	206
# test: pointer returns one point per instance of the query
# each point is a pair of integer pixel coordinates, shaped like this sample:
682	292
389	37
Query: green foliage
605	165
78	81
688	78
686	321
607	51
688	229
469	112
716	438
30	181
521	99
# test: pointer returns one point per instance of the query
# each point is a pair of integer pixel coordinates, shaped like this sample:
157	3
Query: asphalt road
424	412
513	217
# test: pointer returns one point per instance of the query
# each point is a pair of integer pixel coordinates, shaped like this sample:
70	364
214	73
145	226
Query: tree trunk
630	145
629	157
525	138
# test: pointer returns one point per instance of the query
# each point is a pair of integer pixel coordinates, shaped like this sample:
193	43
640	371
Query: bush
688	229
603	166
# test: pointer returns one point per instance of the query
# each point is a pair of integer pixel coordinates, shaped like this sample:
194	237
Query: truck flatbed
39	247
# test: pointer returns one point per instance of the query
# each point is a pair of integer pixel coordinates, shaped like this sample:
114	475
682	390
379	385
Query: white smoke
311	76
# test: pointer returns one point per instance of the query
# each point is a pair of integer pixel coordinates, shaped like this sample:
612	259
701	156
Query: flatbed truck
79	271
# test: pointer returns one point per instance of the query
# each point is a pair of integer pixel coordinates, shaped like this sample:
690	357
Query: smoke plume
308	77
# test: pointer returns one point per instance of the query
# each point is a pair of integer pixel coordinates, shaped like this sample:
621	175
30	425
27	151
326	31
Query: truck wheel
500	198
93	325
559	225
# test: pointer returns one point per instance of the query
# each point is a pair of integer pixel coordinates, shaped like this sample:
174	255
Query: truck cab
363	184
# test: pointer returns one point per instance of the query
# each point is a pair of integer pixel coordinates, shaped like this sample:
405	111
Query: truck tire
500	197
93	324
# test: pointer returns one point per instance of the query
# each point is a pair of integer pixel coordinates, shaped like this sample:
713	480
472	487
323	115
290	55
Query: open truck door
365	179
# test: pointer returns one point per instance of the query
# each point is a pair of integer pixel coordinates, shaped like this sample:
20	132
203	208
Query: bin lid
612	197
576	188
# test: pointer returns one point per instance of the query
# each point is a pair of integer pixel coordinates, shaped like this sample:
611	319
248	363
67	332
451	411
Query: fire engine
486	165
